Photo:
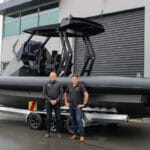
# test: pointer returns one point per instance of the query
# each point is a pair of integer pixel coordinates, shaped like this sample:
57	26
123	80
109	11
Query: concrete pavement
16	135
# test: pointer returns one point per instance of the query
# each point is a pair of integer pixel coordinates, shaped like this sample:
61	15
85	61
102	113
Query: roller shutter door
120	49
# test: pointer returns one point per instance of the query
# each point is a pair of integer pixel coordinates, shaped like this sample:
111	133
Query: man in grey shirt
53	92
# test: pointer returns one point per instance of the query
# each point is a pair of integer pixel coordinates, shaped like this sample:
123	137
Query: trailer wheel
35	121
53	125
69	126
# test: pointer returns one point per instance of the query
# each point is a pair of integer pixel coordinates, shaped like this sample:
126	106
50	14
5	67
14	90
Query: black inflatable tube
94	84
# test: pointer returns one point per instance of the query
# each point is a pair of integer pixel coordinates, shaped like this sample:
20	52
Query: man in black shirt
53	93
76	97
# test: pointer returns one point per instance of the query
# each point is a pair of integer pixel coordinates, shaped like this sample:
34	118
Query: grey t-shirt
52	91
75	94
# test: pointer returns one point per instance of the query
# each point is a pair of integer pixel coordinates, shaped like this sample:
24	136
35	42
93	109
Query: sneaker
82	139
47	135
59	135
73	137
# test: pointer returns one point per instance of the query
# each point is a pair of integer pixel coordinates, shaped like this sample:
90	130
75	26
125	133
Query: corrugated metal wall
120	49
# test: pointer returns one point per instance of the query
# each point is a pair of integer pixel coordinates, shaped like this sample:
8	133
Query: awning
16	5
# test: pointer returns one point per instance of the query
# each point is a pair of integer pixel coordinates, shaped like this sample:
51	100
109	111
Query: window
15	24
12	0
11	25
4	65
48	17
29	19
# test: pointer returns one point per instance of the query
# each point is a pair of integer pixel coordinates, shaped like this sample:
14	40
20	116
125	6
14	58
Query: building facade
19	15
122	50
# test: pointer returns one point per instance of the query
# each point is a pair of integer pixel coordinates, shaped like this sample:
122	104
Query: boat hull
127	95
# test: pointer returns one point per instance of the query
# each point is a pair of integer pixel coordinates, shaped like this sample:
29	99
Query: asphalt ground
15	134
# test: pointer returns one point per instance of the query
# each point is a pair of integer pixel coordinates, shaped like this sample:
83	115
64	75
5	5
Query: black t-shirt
75	94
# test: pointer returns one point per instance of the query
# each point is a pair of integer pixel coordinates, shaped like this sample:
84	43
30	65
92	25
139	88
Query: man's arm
55	101
60	93
45	92
86	98
66	99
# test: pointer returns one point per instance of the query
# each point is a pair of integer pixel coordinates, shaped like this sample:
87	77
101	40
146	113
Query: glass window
29	19
12	0
11	25
15	25
5	64
48	17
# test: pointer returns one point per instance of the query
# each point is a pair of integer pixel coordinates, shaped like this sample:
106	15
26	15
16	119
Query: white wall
86	8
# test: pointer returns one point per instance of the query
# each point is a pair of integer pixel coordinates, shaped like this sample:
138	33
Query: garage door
120	49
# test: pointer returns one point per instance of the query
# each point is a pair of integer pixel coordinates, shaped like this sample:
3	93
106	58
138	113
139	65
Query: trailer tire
68	126
53	124
35	121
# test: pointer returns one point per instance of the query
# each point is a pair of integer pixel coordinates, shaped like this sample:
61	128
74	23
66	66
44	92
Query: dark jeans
56	109
76	115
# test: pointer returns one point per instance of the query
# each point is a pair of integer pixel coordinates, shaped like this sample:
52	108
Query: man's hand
80	105
67	104
53	102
